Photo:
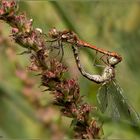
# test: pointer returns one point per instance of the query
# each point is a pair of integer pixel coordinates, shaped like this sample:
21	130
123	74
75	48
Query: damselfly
110	96
68	36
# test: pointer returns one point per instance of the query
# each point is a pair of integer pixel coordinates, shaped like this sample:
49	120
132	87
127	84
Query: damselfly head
53	33
68	36
113	61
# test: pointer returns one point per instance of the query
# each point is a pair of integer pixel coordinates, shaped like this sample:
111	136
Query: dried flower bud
15	30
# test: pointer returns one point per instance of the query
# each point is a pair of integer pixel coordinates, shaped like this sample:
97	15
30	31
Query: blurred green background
26	112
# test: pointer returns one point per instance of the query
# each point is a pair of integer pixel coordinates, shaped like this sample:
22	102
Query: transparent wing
102	98
123	107
106	102
112	110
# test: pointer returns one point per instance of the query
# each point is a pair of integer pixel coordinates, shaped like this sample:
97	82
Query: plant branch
66	91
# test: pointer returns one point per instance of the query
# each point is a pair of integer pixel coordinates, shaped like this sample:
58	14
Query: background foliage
110	25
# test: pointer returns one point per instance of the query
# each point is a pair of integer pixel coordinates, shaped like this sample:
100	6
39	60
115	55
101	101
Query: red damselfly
68	36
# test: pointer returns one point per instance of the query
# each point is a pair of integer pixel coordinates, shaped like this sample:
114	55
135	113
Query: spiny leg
25	52
55	46
53	40
101	58
61	47
94	62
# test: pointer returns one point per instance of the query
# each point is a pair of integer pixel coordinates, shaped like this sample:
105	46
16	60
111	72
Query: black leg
103	59
61	47
94	62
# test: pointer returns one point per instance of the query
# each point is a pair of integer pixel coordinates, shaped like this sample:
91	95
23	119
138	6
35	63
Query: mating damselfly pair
110	96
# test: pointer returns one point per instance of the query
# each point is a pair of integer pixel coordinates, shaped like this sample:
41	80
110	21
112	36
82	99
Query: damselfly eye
64	36
53	33
113	61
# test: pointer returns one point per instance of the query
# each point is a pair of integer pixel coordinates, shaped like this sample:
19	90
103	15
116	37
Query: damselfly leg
61	49
57	44
104	58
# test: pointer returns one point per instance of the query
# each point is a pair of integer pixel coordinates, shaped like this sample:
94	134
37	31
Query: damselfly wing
111	101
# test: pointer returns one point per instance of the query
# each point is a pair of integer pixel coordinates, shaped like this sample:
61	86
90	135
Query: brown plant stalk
66	91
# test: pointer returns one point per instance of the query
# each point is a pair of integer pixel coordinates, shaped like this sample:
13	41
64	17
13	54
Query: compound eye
113	61
53	33
64	36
